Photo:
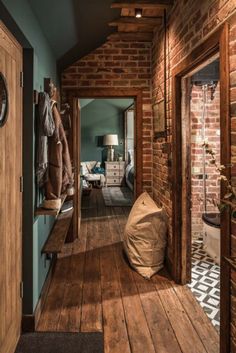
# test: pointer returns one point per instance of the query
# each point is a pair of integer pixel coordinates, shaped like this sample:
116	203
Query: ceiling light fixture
138	13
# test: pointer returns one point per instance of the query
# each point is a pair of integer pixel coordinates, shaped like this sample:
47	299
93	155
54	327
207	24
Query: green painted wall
100	117
44	59
44	66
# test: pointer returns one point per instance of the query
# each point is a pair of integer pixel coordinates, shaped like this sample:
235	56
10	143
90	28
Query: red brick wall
212	136
119	65
189	23
232	52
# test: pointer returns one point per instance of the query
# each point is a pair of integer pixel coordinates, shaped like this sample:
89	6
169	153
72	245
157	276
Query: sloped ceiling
74	27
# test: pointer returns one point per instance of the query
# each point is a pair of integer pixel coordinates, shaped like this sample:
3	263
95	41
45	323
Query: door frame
217	42
76	131
131	108
136	94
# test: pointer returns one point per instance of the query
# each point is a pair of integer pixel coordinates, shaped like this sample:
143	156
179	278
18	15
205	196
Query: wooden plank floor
94	289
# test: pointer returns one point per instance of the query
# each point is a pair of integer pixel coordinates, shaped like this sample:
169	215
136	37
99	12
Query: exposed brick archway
123	67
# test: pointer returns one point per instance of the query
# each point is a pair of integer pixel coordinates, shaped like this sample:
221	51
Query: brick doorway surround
137	95
216	43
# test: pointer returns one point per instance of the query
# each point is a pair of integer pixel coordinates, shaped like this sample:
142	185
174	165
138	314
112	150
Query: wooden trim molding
225	126
217	42
136	94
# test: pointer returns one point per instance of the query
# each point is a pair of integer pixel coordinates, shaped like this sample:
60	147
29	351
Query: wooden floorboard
70	315
51	312
162	333
199	320
185	332
138	331
95	289
114	323
91	317
91	320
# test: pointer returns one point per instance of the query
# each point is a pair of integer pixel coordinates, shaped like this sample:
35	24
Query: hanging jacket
45	128
59	170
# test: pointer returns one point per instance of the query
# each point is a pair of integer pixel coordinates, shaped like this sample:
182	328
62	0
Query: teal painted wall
44	59
44	66
100	117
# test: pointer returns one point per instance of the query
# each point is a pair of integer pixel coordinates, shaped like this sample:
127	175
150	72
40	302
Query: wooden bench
57	237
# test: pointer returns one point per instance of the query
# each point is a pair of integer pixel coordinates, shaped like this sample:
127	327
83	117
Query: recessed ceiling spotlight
138	13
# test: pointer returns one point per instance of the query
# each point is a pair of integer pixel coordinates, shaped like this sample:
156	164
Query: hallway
94	289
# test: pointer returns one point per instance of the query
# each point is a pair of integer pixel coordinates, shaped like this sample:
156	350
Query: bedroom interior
107	148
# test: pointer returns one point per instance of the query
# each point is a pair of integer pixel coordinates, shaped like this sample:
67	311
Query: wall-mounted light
138	13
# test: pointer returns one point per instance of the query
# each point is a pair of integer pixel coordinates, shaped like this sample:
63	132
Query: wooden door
10	195
76	163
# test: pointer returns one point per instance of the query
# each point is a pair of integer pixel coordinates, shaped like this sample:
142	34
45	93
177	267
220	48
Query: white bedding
128	168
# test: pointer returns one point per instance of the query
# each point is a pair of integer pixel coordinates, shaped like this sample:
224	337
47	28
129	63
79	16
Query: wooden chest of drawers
115	172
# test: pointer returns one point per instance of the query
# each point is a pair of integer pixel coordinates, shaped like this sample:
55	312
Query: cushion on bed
145	236
83	168
90	165
86	167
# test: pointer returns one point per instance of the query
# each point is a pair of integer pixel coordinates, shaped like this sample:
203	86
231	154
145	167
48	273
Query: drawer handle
114	173
114	166
114	181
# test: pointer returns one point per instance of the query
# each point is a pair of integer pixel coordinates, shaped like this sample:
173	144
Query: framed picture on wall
159	120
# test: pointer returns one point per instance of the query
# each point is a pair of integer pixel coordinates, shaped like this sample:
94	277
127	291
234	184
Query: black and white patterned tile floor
205	283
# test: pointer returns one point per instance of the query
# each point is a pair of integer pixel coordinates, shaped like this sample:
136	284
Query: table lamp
110	140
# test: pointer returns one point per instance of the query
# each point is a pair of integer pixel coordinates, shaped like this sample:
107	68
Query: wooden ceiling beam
144	21
142	4
134	28
129	36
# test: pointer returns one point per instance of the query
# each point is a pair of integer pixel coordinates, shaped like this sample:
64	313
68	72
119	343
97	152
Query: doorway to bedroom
107	148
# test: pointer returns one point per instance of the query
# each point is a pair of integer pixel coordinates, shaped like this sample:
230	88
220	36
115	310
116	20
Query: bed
129	171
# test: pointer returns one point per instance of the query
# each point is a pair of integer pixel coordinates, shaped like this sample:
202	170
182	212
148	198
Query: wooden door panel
10	195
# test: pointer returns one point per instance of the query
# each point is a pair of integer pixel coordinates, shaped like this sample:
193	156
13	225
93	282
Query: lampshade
110	140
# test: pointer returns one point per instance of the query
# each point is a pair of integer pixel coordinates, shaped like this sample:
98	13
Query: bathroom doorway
213	48
201	113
